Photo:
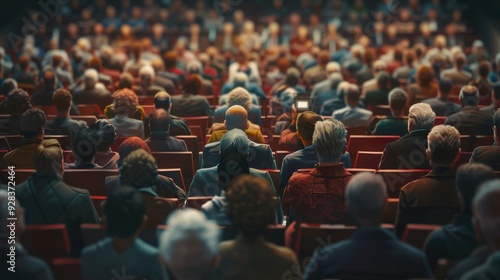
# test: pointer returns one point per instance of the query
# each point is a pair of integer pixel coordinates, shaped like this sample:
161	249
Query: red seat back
191	143
396	178
373	143
366	159
201	121
416	234
89	179
47	241
89	109
67	268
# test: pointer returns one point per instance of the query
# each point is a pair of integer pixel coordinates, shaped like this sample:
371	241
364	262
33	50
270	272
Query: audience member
48	200
470	120
147	79
317	196
396	123
84	143
432	199
190	104
178	126
92	94
239	96
495	100
321	97
189	245
236	118
352	115
380	95
16	103
160	139
489	154
457	240
457	74
106	135
31	126
123	252
44	96
441	104
287	102
63	124
125	105
251	204
371	252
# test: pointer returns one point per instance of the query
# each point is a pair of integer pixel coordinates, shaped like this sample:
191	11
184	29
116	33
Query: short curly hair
240	96
18	101
62	100
126	102
139	170
251	204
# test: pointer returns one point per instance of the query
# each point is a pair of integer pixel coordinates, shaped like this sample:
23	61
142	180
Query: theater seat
201	121
197	202
280	155
98	201
4	144
275	177
416	234
464	158
47	241
389	216
89	109
396	178
372	143
366	159
89	179
191	143
182	160
274	234
67	268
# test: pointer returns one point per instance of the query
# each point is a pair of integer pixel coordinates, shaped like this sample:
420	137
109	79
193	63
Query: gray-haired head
469	96
329	140
487	212
90	78
240	80
147	72
234	141
287	99
190	244
443	145
332	67
239	96
194	67
421	116
397	101
362	186
335	79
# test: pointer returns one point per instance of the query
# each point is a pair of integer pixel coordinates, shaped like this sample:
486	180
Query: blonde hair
444	145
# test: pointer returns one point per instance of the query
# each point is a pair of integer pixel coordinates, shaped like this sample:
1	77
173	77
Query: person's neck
64	114
396	114
122	244
306	143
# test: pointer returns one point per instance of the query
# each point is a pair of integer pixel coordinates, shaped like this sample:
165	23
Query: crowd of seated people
115	88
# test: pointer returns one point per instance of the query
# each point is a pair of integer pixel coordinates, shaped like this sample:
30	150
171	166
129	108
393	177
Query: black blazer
260	156
371	253
489	155
407	153
165	187
471	121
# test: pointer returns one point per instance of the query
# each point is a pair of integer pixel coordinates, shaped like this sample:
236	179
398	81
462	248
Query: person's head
443	146
332	67
170	59
105	132
352	95
421	116
24	63
18	101
459	60
48	157
496	125
90	78
469	96
425	75
468	179
62	100
484	69
126	80
487	213
49	78
379	66
32	124
159	120
8	85
193	84
236	117
283	64
163	101
383	80
240	80
409	57
445	86
139	170
5	214
190	244
234	141
329	140
397	101
125	102
292	76
84	144
305	126
124	213
366	212
146	74
239	96
251	205
287	99
323	58
94	63
230	166
129	145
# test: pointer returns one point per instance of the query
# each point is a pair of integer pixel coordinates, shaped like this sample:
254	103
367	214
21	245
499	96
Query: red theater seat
47	241
416	234
372	143
396	178
201	121
67	268
367	159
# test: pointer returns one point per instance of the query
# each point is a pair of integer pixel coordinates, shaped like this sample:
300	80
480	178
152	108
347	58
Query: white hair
147	71
379	64
195	65
421	116
241	78
84	44
485	205
332	66
366	195
287	99
329	140
234	141
336	77
444	144
239	96
189	244
90	77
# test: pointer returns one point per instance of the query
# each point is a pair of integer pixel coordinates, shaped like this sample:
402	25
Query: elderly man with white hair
189	246
487	217
239	96
457	74
371	250
241	80
409	151
92	94
371	85
433	198
147	78
331	67
24	265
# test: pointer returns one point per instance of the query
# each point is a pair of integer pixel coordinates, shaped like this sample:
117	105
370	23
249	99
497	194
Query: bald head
236	117
162	101
469	96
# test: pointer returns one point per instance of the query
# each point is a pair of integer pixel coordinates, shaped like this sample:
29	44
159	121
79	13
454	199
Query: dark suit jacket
161	141
260	156
43	97
48	200
149	91
371	253
63	126
489	155
254	114
93	96
471	121
331	105
407	153
432	199
189	105
376	97
27	266
165	187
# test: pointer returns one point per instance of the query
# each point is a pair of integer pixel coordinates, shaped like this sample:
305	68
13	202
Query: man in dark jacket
489	155
160	140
